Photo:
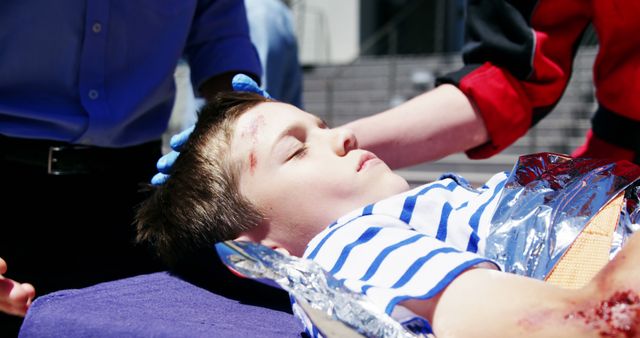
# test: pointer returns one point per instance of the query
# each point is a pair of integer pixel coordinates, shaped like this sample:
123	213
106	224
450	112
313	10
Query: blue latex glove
241	83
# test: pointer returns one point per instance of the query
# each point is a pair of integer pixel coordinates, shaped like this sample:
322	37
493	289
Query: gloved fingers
244	83
178	140
240	82
165	162
159	179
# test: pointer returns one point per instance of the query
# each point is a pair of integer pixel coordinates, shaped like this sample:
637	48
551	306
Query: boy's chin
398	184
391	185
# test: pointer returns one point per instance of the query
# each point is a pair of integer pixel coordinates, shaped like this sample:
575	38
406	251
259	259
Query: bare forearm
428	127
490	303
487	303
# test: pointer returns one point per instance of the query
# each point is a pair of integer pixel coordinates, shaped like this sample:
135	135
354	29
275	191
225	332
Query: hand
166	162
241	83
15	298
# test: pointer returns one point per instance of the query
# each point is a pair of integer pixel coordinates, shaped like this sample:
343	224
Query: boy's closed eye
288	147
299	153
302	151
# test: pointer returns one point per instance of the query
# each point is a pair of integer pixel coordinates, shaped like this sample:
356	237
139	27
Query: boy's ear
249	237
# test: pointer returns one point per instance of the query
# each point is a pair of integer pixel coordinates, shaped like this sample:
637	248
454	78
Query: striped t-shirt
411	245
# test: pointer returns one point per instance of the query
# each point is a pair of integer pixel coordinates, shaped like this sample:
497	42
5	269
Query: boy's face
303	175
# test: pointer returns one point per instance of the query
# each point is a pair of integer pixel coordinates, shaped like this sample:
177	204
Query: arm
518	61
482	302
219	46
15	297
435	124
488	303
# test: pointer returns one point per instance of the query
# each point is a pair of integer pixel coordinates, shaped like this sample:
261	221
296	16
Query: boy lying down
258	170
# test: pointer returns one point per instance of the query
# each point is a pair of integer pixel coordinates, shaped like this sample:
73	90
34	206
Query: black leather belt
58	158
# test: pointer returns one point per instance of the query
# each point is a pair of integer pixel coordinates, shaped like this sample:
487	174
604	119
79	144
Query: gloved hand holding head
241	83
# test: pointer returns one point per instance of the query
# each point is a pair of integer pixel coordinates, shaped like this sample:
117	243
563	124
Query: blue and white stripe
411	245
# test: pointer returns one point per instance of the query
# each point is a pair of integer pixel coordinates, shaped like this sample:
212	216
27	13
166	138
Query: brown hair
200	204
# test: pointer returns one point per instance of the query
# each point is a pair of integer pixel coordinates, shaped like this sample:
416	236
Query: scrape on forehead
251	128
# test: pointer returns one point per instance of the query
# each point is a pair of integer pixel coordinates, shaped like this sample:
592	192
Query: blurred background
361	57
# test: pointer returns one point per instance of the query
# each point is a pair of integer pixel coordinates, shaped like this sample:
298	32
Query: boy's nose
345	141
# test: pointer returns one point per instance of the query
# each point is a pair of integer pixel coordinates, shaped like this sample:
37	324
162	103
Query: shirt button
97	27
93	94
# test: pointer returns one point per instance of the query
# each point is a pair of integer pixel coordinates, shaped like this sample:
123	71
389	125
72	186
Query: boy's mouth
365	160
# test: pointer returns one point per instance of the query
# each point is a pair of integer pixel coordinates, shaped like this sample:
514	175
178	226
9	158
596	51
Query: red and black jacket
518	60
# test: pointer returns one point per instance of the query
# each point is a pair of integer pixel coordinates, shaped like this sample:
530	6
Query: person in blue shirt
86	90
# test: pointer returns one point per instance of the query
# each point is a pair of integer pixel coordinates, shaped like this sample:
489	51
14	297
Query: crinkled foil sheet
307	282
548	200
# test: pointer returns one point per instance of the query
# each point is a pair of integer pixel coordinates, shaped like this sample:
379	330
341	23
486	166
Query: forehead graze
249	132
251	129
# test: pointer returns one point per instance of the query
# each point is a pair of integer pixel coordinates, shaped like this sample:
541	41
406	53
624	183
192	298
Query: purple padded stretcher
157	304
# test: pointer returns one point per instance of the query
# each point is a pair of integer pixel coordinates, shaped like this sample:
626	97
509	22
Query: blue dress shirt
100	72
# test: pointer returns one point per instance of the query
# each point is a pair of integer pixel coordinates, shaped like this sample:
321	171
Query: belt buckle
54	167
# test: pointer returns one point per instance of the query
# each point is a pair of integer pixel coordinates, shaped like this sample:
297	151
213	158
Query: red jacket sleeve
518	60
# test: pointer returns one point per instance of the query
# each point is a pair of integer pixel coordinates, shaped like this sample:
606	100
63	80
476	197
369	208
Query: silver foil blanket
547	201
334	309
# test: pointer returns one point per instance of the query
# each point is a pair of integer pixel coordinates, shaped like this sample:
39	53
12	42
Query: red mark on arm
618	316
